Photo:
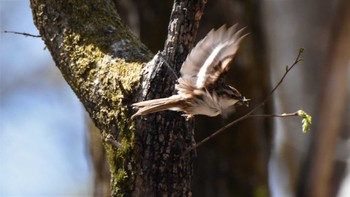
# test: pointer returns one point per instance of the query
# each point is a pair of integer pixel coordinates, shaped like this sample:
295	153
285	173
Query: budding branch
249	114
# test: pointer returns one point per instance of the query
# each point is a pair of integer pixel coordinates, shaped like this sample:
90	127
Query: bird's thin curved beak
245	101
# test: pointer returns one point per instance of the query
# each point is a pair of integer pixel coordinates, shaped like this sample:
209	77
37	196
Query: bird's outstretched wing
211	57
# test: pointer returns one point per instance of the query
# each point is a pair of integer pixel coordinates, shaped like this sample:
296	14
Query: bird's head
230	96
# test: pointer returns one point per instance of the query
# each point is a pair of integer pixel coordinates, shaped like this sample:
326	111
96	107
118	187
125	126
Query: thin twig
248	115
109	138
165	61
22	33
284	115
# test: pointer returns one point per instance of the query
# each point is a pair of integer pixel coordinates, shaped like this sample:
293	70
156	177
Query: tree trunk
104	63
166	135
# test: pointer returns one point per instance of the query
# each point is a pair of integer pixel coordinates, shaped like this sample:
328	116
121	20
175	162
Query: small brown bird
201	88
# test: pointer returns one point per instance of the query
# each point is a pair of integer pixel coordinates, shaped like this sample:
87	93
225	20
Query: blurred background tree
256	157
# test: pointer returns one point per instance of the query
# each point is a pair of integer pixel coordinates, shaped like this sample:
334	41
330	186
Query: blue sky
43	144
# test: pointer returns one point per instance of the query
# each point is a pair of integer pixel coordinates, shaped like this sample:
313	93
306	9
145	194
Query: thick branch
166	135
102	61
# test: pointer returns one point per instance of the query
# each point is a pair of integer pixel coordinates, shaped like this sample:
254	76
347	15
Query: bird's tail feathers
156	105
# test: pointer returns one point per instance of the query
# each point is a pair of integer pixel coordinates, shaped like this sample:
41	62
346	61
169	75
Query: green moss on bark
102	62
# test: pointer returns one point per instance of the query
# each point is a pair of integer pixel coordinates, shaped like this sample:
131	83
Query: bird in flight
201	89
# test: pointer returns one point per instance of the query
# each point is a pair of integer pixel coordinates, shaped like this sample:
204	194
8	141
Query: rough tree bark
104	63
163	144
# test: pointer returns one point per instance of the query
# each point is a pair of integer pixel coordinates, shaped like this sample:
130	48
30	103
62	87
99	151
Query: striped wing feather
211	56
